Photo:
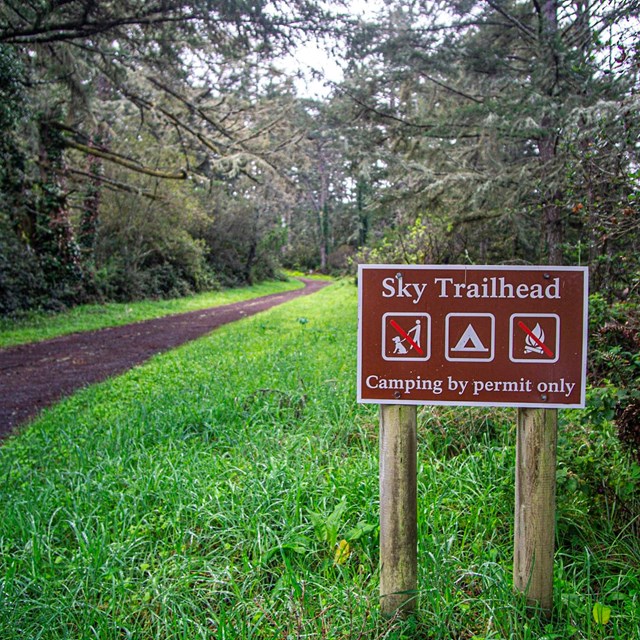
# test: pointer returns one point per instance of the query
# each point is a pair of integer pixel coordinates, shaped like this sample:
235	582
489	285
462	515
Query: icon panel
534	337
406	336
470	337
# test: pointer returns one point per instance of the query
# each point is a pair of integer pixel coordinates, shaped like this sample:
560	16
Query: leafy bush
614	342
614	366
33	281
628	420
144	250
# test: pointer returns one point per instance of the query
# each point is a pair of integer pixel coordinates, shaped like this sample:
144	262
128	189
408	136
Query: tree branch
72	30
116	185
407	123
451	89
124	162
192	107
514	21
175	120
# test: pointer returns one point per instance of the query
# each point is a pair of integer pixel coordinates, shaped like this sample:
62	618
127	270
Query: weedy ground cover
229	490
42	326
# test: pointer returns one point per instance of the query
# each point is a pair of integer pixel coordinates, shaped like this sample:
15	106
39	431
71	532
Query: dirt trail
36	375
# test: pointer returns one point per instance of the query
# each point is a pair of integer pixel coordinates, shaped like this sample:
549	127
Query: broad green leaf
361	529
601	613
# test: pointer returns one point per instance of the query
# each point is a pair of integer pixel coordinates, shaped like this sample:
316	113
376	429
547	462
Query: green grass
311	275
201	496
42	326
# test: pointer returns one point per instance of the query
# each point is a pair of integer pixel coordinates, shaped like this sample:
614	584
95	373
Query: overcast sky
315	57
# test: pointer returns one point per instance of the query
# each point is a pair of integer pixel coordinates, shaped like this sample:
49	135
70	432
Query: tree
475	104
318	176
171	61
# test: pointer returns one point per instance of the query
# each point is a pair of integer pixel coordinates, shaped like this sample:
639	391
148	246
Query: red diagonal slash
535	338
406	336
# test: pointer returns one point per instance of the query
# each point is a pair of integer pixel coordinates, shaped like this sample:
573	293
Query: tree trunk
553	232
547	145
324	249
54	237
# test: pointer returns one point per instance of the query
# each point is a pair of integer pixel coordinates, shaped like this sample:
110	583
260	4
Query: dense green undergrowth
206	493
41	325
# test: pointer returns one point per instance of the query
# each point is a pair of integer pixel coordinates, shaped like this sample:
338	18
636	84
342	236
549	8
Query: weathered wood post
535	507
398	509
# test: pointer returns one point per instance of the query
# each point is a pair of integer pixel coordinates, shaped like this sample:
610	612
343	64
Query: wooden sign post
398	509
534	528
511	336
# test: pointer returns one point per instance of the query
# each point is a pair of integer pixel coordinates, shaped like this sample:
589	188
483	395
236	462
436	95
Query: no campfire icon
534	337
406	336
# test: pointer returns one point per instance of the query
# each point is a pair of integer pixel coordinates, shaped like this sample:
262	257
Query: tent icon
470	337
470	341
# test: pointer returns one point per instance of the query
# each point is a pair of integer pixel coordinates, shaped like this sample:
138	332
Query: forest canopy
159	148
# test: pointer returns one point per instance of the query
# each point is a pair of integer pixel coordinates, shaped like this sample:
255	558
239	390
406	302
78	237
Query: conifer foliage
510	124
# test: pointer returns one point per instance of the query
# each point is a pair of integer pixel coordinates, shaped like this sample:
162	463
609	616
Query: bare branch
124	162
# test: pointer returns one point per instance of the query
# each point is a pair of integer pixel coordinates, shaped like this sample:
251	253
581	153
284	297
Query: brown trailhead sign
498	336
